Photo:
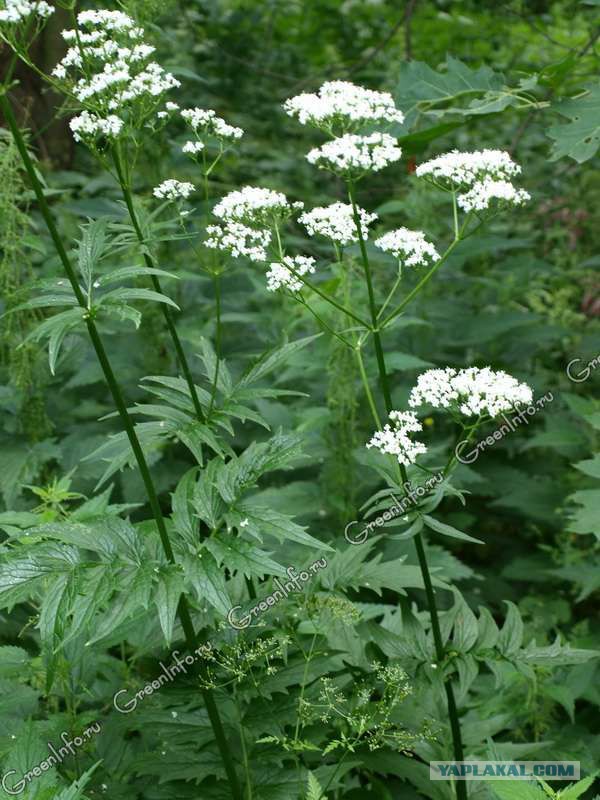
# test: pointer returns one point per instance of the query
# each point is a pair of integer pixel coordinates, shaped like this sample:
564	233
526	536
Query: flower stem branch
424	280
374	324
213	393
183	611
167	313
331	300
421	555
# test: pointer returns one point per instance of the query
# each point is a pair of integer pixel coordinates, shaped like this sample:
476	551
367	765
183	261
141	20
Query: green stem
183	608
213	393
455	216
10	69
303	689
388	299
322	321
244	749
374	325
461	791
167	313
425	279
365	382
331	300
435	625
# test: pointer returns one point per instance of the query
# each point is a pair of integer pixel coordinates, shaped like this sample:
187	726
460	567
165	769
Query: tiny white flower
411	248
355	155
280	274
336	222
205	120
173	190
87	126
394	439
239	240
479	178
254	205
463	168
193	147
119	82
472	391
343	104
15	12
481	194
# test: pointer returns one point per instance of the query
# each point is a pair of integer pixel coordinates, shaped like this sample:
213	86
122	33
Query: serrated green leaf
166	598
448	530
511	633
124	294
208	581
132	272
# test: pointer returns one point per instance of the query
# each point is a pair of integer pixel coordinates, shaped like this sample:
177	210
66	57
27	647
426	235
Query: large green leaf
579	138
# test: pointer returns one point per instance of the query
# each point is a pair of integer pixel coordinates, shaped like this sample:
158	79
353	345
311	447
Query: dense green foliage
336	691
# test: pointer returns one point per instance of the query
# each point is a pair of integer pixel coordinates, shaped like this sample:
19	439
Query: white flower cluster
254	206
482	176
472	391
13	12
173	190
206	122
110	20
107	69
280	274
411	248
239	240
340	107
353	155
395	440
169	108
336	222
480	195
193	148
342	104
463	169
91	125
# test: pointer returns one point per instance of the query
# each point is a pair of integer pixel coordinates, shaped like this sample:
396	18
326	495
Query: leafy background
524	297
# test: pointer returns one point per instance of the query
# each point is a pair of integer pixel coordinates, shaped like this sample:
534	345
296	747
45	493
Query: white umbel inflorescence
280	275
464	169
173	190
411	248
353	155
395	439
472	391
343	105
108	69
481	194
238	240
192	148
336	222
14	12
254	206
481	177
91	125
205	122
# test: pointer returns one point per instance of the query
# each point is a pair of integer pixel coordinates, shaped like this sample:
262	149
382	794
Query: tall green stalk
420	547
213	393
374	323
166	310
183	611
